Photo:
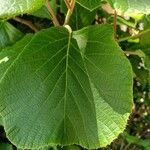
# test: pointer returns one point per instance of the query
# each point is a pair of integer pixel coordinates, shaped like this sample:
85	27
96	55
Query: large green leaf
8	34
131	6
90	4
11	8
63	88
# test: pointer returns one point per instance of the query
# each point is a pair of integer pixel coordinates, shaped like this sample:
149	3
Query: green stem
70	11
115	24
125	22
130	53
134	37
68	4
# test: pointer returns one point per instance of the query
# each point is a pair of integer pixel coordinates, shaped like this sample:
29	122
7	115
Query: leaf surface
145	43
8	34
43	11
63	88
131	6
11	8
80	18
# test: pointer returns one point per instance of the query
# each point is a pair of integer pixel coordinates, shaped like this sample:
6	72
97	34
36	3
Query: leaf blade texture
59	89
11	8
8	34
131	7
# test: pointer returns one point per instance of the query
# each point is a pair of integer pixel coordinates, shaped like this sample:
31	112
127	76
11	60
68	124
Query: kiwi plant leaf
43	11
11	8
59	87
131	7
8	34
81	16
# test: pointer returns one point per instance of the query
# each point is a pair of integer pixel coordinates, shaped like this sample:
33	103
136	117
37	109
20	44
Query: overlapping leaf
131	6
8	34
11	8
43	11
81	17
65	88
141	62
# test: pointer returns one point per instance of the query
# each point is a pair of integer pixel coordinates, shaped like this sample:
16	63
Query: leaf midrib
66	78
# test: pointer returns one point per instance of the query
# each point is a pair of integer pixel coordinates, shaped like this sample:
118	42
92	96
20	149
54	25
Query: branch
135	36
54	18
115	24
68	4
138	53
27	23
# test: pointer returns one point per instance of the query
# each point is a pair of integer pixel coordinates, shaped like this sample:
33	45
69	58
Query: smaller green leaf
81	17
145	42
141	73
43	11
147	58
8	34
145	38
11	8
141	65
